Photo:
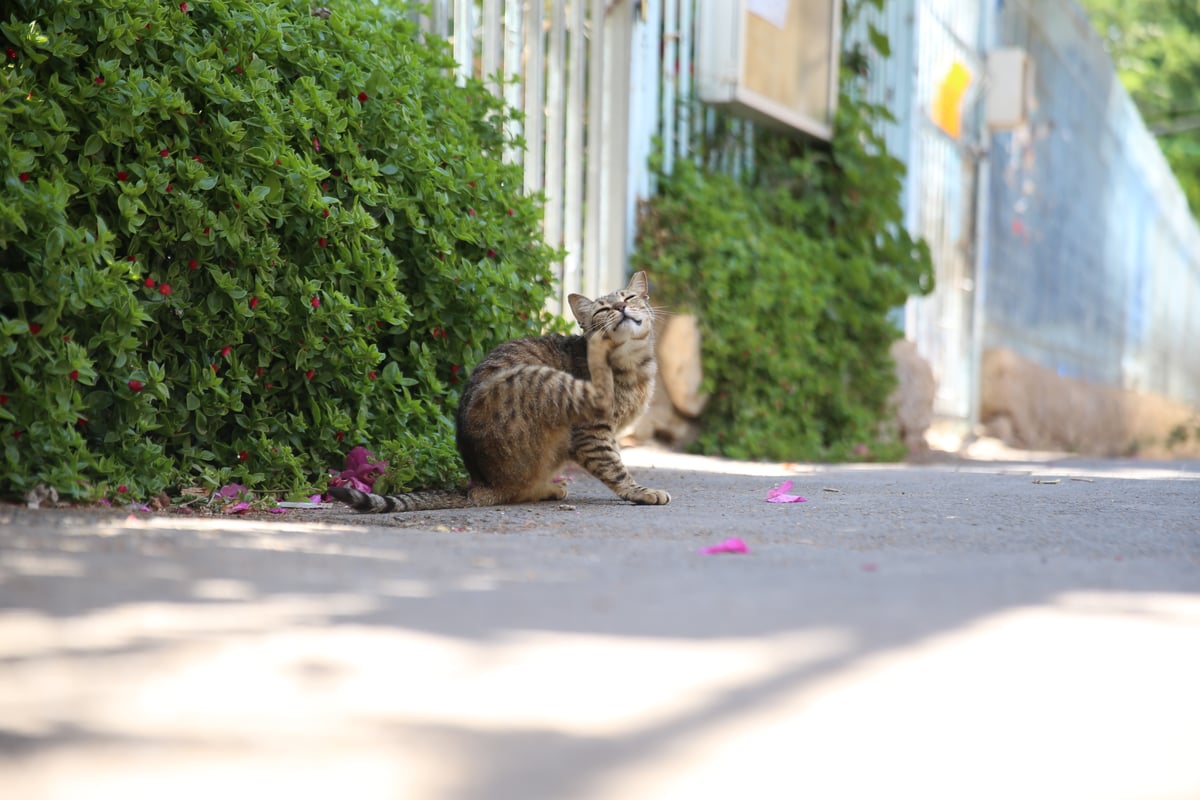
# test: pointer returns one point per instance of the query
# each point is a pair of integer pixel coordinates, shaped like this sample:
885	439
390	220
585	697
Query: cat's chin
630	329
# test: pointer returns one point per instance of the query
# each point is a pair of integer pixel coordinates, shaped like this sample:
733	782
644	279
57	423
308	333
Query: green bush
237	239
793	270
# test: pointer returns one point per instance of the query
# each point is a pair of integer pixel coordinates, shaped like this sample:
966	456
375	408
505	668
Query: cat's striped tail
412	501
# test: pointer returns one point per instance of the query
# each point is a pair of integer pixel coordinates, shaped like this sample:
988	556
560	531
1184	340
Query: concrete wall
1093	264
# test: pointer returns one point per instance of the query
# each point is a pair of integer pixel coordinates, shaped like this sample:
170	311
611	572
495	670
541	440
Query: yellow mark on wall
947	103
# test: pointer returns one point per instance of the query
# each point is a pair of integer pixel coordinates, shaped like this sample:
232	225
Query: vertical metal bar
464	39
556	114
593	230
514	74
618	106
493	39
687	33
574	189
644	79
535	102
670	80
440	20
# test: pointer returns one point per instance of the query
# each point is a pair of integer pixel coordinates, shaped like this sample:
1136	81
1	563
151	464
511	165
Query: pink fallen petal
780	494
314	498
238	508
276	510
232	491
727	546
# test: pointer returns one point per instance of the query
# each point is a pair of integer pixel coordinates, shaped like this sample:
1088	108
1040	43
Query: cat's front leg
595	449
599	350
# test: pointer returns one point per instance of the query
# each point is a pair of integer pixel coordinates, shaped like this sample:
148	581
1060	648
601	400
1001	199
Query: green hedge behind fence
793	269
237	239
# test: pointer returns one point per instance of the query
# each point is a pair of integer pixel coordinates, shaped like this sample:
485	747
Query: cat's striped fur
534	404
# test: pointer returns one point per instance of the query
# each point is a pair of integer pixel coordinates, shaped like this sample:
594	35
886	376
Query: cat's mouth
626	318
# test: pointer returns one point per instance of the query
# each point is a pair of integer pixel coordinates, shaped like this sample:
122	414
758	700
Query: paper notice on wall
773	11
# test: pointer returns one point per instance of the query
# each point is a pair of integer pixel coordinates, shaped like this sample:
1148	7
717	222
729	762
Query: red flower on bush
471	211
169	187
491	254
11	53
24	176
122	489
363	97
316	145
372	375
321	242
34	328
99	80
3	399
226	350
122	176
165	290
243	456
184	7
164	152
74	375
309	375
150	284
253	303
316	301
136	386
193	263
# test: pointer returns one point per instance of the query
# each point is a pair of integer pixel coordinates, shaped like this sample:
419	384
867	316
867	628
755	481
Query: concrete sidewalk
947	631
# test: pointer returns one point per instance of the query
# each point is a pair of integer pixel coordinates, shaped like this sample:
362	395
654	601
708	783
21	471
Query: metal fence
566	65
1094	263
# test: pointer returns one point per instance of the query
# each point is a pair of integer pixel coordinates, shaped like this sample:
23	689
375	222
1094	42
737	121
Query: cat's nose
619	306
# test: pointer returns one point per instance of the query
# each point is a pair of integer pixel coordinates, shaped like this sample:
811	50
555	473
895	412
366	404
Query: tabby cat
534	404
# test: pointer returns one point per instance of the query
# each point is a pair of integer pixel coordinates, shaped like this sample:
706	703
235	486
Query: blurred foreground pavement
949	631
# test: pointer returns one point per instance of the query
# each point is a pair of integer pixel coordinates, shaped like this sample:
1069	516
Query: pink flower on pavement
727	546
780	494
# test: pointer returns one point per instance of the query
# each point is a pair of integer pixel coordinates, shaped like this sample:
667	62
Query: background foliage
1155	47
236	239
793	269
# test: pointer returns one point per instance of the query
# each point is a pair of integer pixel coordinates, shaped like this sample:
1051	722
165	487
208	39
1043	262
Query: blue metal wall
1093	263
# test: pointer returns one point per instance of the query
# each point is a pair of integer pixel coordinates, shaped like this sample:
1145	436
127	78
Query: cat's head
623	315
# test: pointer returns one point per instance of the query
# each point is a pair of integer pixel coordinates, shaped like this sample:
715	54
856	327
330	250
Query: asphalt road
963	630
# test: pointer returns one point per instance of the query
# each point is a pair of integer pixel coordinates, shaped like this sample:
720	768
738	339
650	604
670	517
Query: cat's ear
581	307
638	284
